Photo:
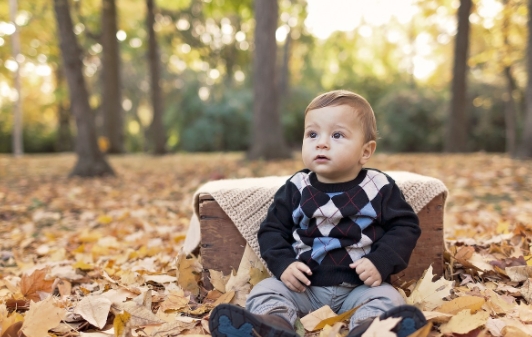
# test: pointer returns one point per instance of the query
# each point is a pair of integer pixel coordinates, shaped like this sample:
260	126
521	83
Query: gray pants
271	296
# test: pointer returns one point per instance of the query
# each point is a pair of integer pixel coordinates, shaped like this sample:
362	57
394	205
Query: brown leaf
31	285
14	330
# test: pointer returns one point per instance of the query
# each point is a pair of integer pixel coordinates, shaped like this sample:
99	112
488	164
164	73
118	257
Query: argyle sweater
329	226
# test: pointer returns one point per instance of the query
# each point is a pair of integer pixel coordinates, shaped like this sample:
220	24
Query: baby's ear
367	151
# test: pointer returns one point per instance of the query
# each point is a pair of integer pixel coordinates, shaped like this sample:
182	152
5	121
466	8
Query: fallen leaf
382	328
121	324
332	331
42	317
428	294
31	285
218	280
473	303
256	275
311	320
140	315
174	302
188	273
13	330
519	273
335	319
225	298
512	331
94	309
464	322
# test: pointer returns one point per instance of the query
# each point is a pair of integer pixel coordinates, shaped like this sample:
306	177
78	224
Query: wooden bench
222	245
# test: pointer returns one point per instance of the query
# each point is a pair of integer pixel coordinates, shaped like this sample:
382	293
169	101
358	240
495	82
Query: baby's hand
367	272
294	276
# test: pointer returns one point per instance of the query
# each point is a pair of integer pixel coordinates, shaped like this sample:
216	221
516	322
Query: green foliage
221	123
410	120
208	44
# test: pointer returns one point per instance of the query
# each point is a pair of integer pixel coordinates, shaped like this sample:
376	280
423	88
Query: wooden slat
222	245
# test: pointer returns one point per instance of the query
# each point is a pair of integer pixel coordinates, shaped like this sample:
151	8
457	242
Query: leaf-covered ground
108	248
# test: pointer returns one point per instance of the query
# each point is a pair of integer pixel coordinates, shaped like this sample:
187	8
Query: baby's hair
359	104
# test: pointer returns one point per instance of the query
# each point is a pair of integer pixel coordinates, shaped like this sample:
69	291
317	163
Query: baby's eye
337	135
312	134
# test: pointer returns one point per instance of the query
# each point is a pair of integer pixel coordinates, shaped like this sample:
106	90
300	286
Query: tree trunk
457	123
267	136
285	68
510	112
525	148
18	144
158	134
111	93
90	161
64	134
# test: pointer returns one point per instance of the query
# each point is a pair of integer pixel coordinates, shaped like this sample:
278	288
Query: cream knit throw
246	201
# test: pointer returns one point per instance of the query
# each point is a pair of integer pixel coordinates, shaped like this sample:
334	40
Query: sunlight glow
325	17
121	35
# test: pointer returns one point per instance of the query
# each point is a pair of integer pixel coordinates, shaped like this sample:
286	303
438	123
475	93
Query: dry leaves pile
107	249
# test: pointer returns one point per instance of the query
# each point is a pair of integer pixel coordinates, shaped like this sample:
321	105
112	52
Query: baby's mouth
321	157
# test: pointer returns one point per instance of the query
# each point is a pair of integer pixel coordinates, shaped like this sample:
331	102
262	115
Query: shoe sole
230	321
412	319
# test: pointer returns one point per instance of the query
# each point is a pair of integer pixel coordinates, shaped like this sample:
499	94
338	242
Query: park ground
95	232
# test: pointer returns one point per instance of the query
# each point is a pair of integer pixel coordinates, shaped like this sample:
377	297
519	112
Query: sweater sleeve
391	253
275	232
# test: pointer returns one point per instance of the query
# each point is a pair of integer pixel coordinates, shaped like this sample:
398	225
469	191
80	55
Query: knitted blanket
246	201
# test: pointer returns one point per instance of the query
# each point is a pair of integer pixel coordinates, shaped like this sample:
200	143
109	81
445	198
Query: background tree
525	148
113	123
158	135
90	161
456	139
267	137
18	144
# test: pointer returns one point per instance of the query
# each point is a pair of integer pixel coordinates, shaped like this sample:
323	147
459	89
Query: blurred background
185	75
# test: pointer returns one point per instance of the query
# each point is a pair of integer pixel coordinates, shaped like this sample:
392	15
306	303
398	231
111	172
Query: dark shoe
228	320
412	320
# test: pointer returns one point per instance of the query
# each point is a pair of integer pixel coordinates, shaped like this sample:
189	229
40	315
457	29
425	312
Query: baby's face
333	144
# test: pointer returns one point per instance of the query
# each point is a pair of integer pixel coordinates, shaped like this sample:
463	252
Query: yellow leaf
179	238
120	324
464	321
473	303
82	265
503	227
188	273
256	275
105	219
88	236
42	317
333	320
331	331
